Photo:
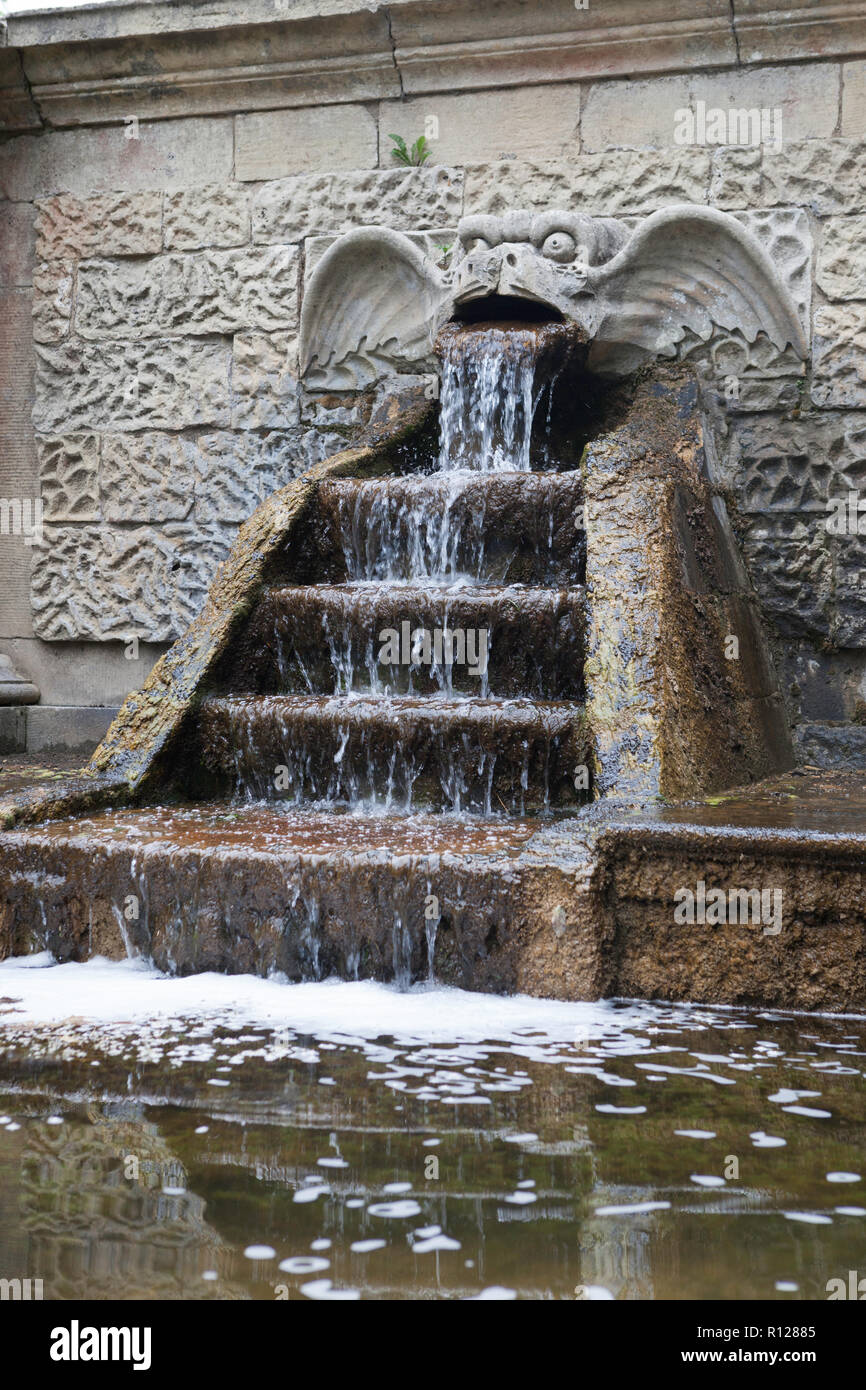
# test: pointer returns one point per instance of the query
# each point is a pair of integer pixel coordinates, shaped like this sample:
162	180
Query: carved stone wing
686	268
369	309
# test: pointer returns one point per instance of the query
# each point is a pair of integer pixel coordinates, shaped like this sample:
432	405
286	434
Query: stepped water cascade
444	671
448	700
409	693
432	669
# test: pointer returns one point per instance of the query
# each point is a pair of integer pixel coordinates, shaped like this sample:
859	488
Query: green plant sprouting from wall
413	155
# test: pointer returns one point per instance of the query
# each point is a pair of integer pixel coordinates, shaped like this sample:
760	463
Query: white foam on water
809	1218
133	992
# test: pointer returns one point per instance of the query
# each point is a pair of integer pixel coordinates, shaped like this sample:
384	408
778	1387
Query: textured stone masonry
618	182
165	319
839	355
187	294
841	268
52	300
408	199
264	380
206	217
109	224
69	477
105	583
822	176
132	385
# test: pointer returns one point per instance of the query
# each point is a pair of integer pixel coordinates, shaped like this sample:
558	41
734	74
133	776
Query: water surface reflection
234	1138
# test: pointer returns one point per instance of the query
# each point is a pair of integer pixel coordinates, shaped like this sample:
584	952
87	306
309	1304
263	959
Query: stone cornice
17	111
157	60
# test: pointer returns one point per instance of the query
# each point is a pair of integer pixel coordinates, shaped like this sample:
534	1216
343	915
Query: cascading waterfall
488	399
409	682
413	676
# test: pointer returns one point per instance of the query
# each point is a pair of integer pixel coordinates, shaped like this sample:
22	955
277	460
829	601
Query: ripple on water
400	1138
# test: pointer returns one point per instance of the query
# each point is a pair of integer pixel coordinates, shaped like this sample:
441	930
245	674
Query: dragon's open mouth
496	308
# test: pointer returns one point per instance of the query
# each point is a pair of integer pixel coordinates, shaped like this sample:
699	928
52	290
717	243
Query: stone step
53	728
579	906
496	527
503	640
831	745
262	888
476	755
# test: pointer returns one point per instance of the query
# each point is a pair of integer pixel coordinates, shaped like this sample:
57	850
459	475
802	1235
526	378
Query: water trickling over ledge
346	702
471	687
488	398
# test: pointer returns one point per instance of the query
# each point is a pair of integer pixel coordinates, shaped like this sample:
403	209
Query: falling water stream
488	399
346	1139
431	624
437	672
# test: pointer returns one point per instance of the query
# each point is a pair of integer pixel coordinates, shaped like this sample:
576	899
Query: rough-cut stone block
789	561
17	235
839	355
52	300
100	583
645	113
236	471
109	224
112	158
208	292
621	181
841	269
147	477
283	455
69	477
850	591
853	99
272	144
232	476
796	465
477	127
785	235
264	380
131	385
206	217
290	209
314	445
781	395
343	411
825	176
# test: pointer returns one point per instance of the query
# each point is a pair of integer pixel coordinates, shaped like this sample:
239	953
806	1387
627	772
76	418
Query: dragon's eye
477	243
559	246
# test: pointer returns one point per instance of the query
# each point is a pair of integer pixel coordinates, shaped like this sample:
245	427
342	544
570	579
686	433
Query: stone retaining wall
168	185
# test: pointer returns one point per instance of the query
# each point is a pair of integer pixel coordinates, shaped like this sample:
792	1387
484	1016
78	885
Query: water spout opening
502	309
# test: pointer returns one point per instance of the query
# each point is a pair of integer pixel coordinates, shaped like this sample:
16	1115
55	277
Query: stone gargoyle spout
376	299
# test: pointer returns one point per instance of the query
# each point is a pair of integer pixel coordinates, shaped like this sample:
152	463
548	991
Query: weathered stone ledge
163	59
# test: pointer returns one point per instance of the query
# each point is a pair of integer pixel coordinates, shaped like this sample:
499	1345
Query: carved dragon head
376	300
